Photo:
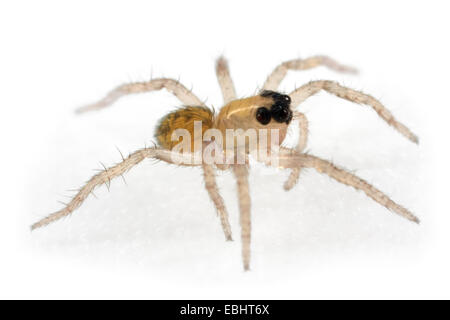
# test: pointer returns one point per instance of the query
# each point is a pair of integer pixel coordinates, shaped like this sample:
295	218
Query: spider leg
108	174
241	174
173	86
289	158
278	74
303	140
225	81
301	94
213	191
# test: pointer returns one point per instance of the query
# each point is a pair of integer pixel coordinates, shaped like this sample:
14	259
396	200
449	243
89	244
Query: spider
269	110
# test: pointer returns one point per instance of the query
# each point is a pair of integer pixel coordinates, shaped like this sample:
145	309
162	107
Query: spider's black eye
281	114
263	115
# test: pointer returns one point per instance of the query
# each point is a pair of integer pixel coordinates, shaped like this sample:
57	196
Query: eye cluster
280	110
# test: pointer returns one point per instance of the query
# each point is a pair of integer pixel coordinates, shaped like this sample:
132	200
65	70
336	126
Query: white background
158	236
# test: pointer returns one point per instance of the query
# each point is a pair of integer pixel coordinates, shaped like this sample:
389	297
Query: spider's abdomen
182	118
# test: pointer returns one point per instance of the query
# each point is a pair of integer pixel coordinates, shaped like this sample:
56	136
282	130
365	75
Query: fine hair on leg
173	86
301	145
224	79
279	73
213	191
106	175
301	94
241	174
289	158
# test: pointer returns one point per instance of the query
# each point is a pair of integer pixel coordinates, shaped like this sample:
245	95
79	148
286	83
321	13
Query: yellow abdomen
182	118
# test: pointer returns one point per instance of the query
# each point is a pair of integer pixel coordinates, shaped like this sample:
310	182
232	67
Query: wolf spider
267	110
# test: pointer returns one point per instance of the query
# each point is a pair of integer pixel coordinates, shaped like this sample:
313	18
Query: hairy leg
105	177
289	158
241	173
303	140
278	74
173	86
301	94
213	191
225	81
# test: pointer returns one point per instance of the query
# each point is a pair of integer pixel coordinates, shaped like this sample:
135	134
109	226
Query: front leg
241	174
304	92
301	145
289	158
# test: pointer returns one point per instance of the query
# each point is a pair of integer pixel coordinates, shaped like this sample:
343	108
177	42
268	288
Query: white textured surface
158	236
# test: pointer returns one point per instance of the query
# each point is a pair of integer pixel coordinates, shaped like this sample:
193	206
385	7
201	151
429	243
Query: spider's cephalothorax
268	110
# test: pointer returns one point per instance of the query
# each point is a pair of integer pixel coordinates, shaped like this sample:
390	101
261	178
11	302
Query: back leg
173	86
304	92
213	191
225	81
274	79
241	174
105	177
